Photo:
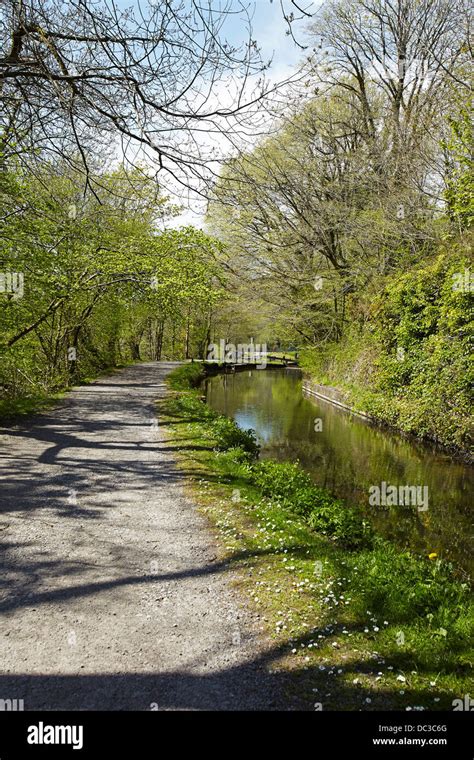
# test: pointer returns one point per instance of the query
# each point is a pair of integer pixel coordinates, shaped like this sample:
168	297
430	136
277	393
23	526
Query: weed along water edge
412	493
359	621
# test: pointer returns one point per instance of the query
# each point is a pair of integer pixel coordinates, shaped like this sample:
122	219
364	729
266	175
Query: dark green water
348	456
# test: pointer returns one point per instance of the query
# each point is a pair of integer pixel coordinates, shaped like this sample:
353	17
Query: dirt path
111	597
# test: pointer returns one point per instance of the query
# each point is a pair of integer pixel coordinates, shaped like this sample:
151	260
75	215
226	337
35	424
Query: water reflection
347	456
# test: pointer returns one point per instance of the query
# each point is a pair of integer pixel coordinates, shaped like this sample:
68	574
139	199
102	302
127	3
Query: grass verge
360	624
13	409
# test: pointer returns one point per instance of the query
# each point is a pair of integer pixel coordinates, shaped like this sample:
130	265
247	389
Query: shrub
187	376
228	435
192	407
342	524
296	491
427	390
285	481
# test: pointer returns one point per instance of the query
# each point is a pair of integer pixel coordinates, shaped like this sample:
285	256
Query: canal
350	456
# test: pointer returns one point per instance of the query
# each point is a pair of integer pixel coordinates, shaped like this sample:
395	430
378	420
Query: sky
269	27
269	30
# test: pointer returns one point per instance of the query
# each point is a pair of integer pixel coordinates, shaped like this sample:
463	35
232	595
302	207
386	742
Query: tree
409	49
310	216
96	276
459	176
83	78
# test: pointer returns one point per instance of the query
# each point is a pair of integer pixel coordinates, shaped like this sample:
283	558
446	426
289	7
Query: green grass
350	615
17	408
11	409
187	376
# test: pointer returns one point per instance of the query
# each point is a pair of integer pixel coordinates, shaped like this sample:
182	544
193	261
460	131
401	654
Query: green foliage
401	587
460	185
187	376
285	481
228	435
342	524
236	455
98	276
293	487
191	406
225	434
410	364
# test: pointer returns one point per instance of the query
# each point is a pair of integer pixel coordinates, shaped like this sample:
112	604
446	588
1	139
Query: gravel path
111	596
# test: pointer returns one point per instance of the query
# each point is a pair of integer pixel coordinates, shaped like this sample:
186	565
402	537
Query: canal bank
359	627
349	456
342	400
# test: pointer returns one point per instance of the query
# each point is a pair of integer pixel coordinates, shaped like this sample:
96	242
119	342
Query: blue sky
269	28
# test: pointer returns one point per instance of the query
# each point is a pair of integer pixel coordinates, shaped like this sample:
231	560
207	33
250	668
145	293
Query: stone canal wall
333	395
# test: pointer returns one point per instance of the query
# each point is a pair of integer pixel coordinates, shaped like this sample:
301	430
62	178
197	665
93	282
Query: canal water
349	456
